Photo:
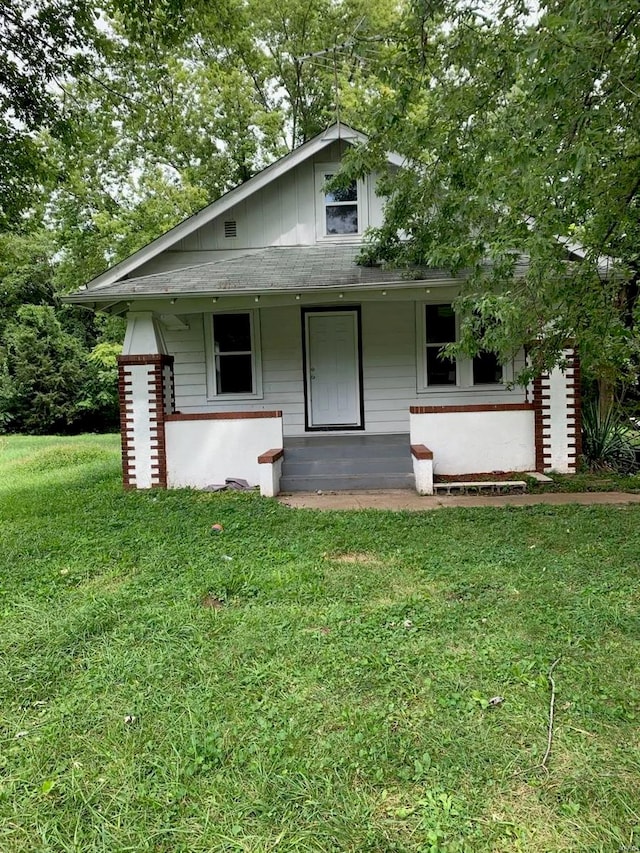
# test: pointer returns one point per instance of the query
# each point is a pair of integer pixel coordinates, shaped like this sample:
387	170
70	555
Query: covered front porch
168	448
336	398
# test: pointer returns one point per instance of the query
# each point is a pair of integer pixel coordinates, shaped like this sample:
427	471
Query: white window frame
256	356
464	366
421	351
321	171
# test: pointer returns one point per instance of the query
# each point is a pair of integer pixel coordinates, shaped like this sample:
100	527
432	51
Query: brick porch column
146	391
558	421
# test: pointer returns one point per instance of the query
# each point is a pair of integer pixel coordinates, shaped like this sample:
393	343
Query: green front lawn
308	681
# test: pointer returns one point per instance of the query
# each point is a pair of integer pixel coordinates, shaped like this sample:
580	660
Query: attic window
342	213
230	228
341	209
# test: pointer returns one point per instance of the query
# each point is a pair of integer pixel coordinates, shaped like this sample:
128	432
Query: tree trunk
605	397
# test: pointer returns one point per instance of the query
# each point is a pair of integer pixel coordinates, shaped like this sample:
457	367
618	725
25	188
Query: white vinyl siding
281	214
388	364
282	385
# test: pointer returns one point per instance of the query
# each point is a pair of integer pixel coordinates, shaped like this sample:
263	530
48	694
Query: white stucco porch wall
477	442
204	452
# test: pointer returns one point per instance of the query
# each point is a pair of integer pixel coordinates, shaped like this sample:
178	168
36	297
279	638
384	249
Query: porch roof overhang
273	270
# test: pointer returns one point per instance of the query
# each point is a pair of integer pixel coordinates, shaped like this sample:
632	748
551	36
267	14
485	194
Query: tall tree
42	44
523	131
189	102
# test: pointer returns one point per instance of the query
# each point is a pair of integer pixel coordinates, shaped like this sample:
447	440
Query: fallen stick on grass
552	707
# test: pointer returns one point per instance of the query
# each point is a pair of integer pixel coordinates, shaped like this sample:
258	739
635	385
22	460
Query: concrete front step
345	462
374	447
343	466
337	483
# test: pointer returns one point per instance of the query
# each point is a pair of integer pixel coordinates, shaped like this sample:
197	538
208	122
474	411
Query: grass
308	681
589	481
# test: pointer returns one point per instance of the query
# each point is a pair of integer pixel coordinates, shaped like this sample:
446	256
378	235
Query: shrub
49	381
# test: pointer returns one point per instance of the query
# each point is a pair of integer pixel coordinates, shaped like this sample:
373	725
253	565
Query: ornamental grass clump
607	441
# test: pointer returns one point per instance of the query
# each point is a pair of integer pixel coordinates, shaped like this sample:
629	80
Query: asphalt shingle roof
273	269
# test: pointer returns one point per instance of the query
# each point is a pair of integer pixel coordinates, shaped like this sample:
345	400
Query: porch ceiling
275	269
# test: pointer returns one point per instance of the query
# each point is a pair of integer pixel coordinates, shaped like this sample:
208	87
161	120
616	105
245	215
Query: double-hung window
440	326
233	339
341	209
437	328
341	213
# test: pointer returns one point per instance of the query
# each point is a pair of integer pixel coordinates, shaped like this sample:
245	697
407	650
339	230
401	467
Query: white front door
333	369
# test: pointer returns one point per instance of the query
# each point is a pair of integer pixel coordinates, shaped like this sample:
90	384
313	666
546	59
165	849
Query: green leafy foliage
57	365
48	381
42	42
43	368
522	128
26	271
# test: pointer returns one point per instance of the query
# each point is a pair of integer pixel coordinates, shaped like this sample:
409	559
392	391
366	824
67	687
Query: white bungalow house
257	348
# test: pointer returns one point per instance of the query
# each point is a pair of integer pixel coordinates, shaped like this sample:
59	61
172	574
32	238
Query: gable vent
230	228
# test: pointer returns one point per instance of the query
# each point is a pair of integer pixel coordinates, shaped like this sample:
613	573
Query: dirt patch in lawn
212	602
359	557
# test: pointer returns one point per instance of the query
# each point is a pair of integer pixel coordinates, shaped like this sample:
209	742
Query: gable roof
229	199
275	269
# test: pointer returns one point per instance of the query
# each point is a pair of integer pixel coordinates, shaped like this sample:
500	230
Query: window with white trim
437	327
234	363
440	327
340	212
341	209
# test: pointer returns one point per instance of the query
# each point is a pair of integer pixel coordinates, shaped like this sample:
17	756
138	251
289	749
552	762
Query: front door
333	370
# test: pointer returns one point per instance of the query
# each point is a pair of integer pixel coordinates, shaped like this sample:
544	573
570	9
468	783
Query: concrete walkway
402	499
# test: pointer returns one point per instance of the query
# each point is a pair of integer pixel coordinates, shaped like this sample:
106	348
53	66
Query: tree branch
616	221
